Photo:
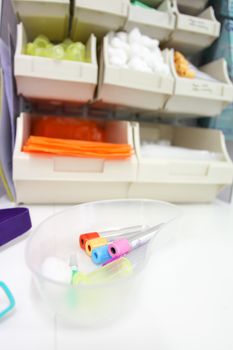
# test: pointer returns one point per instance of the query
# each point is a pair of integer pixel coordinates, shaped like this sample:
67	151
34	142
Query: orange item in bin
76	148
68	128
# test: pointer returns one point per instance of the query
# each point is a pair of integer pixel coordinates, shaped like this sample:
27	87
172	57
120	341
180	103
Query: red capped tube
86	237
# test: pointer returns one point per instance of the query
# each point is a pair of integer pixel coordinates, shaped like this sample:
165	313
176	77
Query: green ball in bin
56	52
67	50
41	41
76	52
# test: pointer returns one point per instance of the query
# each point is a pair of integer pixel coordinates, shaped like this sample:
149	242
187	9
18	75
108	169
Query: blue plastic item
10	297
101	255
13	223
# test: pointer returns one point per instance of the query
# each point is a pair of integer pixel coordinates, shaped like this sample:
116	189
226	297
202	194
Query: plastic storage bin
99	17
181	180
96	304
192	7
59	80
201	97
48	17
193	34
156	23
120	87
54	179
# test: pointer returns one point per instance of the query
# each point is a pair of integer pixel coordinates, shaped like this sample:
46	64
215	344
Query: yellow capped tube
95	243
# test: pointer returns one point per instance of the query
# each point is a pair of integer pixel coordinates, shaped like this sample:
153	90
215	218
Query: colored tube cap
86	237
100	255
11	300
119	248
95	243
13	223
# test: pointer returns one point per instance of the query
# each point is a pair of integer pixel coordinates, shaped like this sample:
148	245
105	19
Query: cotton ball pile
136	51
56	270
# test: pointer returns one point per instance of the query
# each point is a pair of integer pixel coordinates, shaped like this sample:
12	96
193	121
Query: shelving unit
48	79
39	178
122	98
48	17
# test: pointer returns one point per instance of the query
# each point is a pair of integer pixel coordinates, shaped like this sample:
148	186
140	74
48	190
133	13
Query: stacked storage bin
99	85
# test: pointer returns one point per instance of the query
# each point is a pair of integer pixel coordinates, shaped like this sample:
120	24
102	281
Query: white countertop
186	301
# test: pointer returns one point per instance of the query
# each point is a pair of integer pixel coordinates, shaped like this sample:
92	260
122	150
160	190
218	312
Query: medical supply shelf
118	88
49	79
122	97
51	15
53	179
165	21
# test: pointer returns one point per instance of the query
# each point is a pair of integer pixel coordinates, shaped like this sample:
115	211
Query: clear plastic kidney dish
93	304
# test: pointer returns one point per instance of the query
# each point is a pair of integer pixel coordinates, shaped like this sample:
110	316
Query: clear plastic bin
96	304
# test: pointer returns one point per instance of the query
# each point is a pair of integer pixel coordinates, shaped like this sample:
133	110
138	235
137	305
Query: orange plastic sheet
68	128
77	148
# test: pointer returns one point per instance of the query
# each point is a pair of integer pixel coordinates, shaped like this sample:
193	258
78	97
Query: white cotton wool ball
148	42
117	53
158	55
145	52
135	36
150	61
119	44
138	64
122	36
56	270
135	50
116	42
117	61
